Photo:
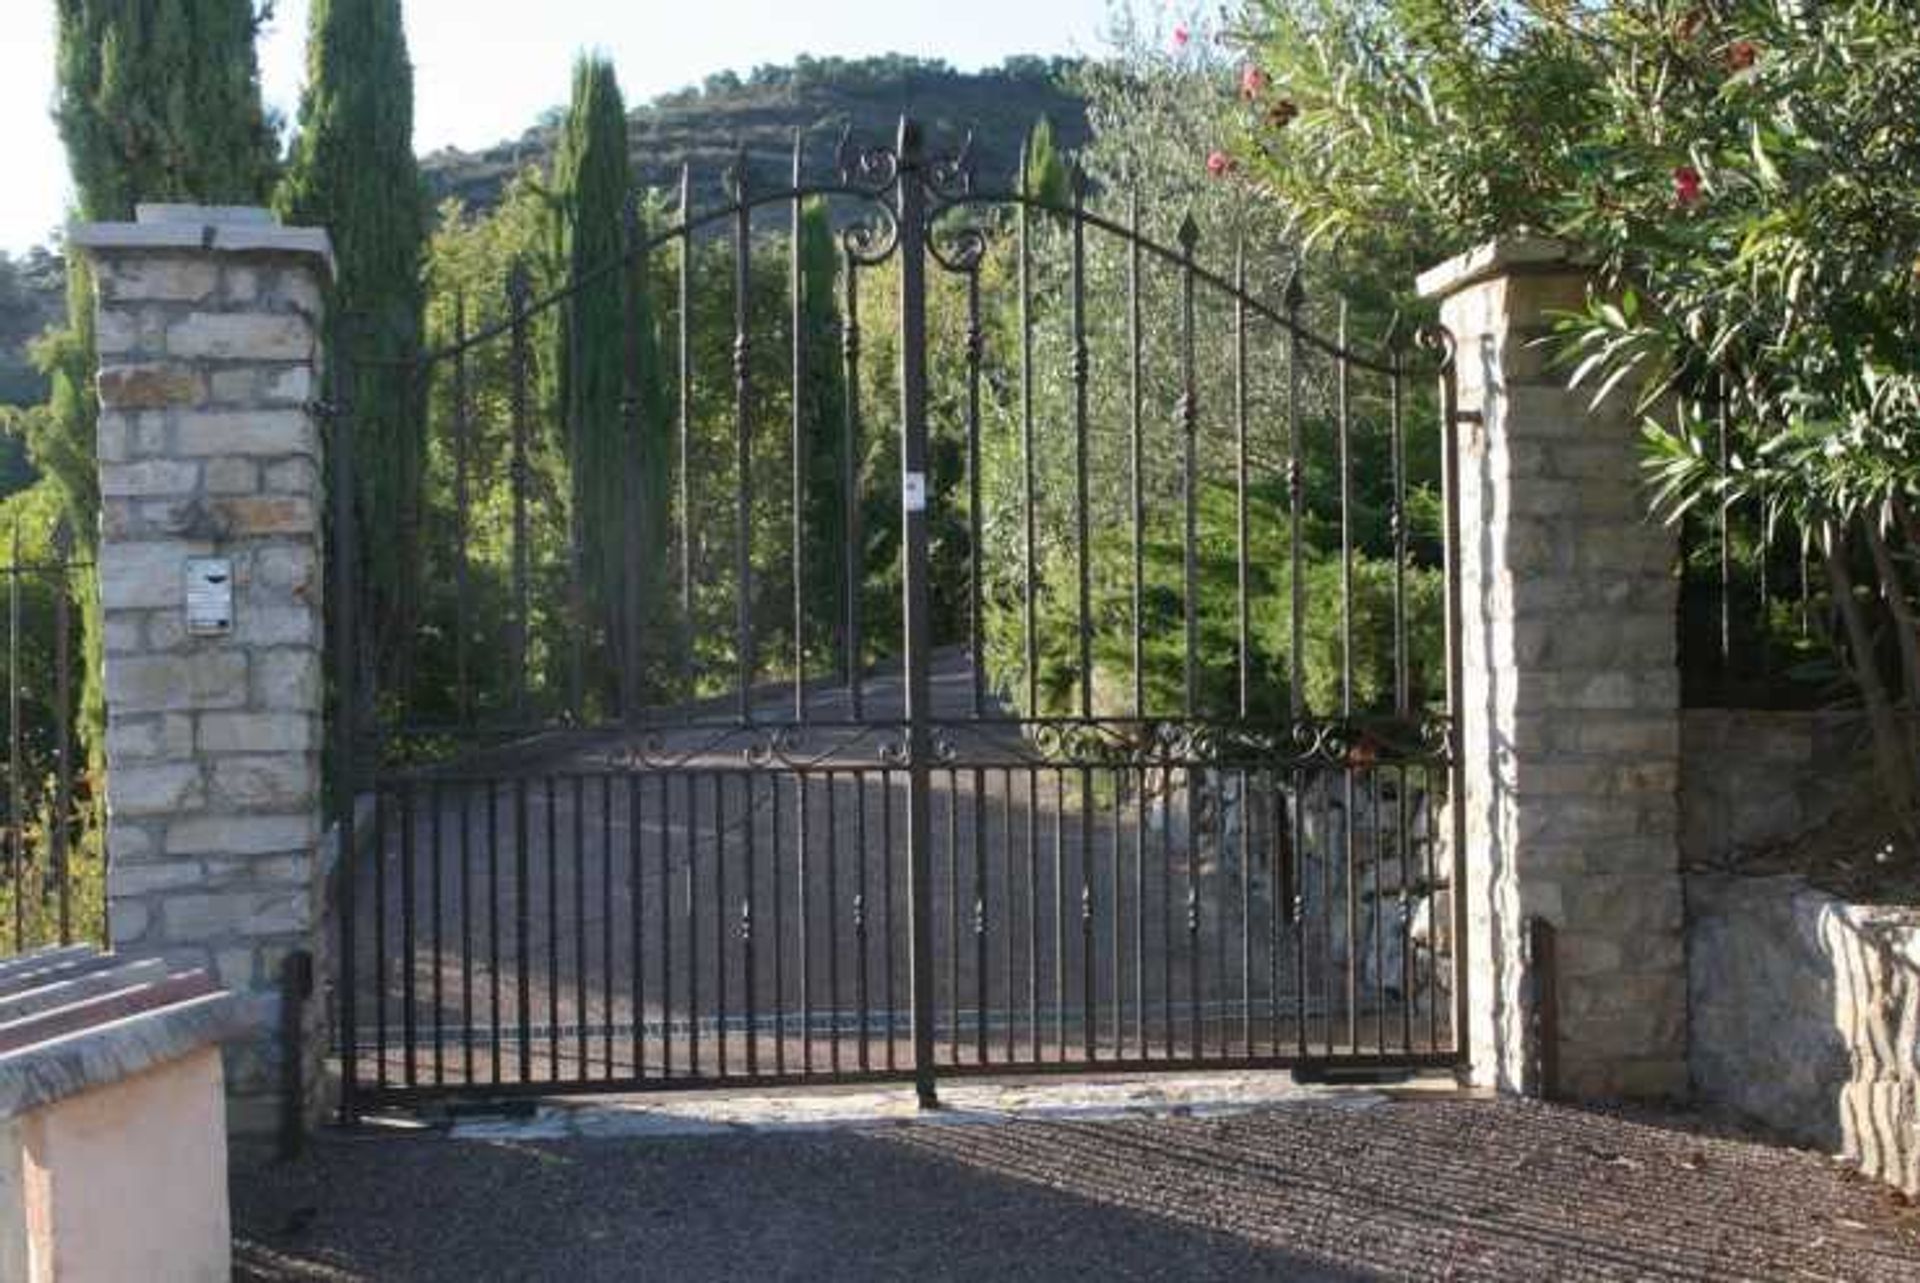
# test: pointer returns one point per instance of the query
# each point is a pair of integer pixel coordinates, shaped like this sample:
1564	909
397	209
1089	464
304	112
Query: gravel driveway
1423	1187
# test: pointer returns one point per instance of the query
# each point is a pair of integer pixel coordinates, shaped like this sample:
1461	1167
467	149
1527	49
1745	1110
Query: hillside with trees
701	126
697	126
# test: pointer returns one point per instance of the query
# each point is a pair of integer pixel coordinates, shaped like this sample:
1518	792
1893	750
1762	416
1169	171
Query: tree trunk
1893	587
1892	751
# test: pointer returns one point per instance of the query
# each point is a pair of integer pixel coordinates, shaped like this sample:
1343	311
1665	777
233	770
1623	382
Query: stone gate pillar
209	323
1570	706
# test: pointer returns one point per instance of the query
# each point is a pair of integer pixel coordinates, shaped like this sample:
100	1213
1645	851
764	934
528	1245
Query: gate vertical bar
633	266
1136	506
911	196
976	618
743	640
853	564
796	290
683	326
63	723
345	704
1456	760
1189	467
1027	547
462	507
17	796
1081	484
519	288
1343	441
1296	694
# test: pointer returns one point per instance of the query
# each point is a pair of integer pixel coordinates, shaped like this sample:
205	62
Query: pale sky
485	68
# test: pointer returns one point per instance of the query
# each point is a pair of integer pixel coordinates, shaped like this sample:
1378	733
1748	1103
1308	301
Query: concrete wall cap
216	229
1504	256
81	1024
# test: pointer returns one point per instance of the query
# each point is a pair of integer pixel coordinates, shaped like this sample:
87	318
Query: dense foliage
1743	171
1154	106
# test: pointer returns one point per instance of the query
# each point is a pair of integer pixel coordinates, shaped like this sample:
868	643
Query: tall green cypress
157	100
1046	179
593	181
649	477
823	425
353	172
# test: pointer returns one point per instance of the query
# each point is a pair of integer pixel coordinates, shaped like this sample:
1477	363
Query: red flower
1219	164
1253	83
1742	54
1181	35
1686	185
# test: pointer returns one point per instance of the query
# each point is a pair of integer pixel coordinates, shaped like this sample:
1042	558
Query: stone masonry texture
1570	707
208	446
1753	779
1806	1016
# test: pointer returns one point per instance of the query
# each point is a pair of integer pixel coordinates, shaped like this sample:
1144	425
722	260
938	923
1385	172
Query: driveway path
604	906
1336	1187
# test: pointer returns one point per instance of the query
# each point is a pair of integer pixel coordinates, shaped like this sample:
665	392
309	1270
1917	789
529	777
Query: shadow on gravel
799	1207
1428	1188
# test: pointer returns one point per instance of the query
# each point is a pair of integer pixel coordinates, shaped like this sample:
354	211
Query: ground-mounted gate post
1570	699
916	596
208	324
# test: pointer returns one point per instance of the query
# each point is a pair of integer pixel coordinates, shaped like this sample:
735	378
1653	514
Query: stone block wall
1753	779
1570	723
209	325
1806	1017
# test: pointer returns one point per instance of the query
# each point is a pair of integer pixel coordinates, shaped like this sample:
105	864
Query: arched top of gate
957	232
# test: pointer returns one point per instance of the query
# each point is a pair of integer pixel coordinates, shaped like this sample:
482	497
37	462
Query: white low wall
113	1140
1806	1017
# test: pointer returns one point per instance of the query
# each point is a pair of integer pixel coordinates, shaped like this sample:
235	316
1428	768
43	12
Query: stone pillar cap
1517	254
215	229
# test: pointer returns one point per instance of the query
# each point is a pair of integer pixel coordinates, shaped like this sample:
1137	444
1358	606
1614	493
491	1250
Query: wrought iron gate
1085	708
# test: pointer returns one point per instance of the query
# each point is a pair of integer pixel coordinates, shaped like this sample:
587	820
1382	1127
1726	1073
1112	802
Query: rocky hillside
701	127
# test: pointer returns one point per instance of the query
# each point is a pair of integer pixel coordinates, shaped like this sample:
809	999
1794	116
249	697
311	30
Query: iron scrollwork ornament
958	247
950	178
873	169
871	240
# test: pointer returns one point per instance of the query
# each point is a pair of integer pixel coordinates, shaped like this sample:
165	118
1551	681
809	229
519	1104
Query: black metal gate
1021	648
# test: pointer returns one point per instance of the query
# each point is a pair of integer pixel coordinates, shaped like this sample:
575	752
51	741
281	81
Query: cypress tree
823	417
1046	178
353	172
649	474
593	180
157	100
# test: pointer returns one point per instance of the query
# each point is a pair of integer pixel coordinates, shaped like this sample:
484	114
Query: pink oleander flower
1686	185
1253	83
1181	35
1219	164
